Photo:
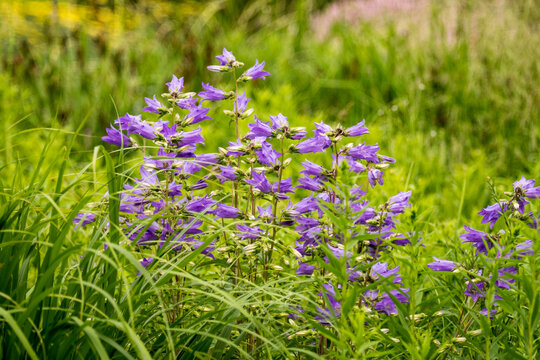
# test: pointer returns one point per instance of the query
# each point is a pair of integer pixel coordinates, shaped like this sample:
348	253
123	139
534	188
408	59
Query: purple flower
83	219
259	129
375	176
297	134
399	202
115	137
318	143
310	184
279	122
442	265
191	137
355	166
146	261
236	148
225	211
154	106
200	204
255	72
248	232
527	186
306	205
381	269
227	174
197	114
175	85
305	269
479	239
285	186
135	125
365	152
492	213
322	129
259	182
212	93
311	168
357	130
267	155
187	103
241	103
485	312
226	58
474	290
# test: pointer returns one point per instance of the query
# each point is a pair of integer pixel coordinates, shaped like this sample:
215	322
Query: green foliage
453	101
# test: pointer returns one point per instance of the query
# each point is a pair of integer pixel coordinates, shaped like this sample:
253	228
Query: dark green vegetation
452	94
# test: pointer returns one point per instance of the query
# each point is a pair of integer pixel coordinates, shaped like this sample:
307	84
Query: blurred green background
449	88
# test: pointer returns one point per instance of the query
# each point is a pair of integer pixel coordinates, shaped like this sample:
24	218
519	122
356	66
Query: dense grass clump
228	224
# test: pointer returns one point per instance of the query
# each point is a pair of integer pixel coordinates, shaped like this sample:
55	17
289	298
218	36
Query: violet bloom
357	167
223	211
212	93
135	125
255	72
399	202
525	248
297	134
115	137
248	232
226	58
267	155
191	137
479	239
322	129
528	188
305	269
365	152
315	144
259	129
485	312
236	148
310	184
227	174
83	219
175	85
375	176
474	290
442	265
381	269
285	186
187	103
311	168
387	306
241	103
279	122
306	205
197	114
492	213
357	130
154	106
200	204
259	182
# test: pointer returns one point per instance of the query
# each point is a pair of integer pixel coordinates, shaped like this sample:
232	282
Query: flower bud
474	332
219	68
459	339
187	95
229	113
247	113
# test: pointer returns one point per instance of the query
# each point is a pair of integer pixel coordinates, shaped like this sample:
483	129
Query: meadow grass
453	102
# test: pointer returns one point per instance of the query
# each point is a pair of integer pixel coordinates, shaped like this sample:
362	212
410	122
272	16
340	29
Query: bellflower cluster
183	194
504	249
